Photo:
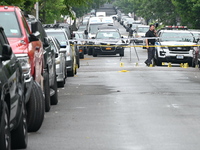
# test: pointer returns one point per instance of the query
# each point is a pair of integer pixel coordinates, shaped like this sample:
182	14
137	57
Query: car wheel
78	61
47	92
81	56
20	136
54	98
94	55
90	51
41	107
71	73
5	136
35	109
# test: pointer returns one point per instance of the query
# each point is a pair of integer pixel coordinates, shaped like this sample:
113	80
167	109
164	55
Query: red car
29	51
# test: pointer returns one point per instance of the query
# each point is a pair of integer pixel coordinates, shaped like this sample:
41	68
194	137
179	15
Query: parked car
13	124
174	46
81	47
60	61
111	43
61	36
140	33
28	49
49	85
127	22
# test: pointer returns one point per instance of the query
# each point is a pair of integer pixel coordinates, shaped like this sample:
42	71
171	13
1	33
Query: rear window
10	24
62	39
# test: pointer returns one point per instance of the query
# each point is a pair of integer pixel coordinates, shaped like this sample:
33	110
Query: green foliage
189	11
170	12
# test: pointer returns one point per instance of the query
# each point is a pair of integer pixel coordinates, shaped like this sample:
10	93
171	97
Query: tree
189	12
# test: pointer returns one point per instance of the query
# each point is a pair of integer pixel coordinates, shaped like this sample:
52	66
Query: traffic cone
185	65
181	65
136	64
163	63
196	66
169	65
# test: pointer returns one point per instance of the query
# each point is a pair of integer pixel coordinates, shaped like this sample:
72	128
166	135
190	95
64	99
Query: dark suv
49	68
13	124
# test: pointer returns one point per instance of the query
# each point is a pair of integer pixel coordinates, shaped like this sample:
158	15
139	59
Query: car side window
1	42
53	48
42	32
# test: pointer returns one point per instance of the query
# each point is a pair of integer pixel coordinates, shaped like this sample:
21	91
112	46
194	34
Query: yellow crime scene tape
128	46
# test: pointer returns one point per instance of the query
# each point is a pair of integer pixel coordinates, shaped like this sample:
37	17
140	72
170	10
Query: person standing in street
150	44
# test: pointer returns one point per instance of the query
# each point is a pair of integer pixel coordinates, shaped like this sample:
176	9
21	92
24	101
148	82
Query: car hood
19	45
172	43
110	42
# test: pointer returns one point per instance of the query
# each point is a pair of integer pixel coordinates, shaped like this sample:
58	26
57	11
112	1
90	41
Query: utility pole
37	10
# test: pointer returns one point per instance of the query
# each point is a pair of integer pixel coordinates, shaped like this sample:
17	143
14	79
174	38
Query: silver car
61	35
61	71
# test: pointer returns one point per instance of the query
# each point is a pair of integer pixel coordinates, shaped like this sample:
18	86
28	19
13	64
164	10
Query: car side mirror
32	38
46	42
7	52
86	32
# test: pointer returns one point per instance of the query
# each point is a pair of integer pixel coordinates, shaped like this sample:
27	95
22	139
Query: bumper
174	59
113	51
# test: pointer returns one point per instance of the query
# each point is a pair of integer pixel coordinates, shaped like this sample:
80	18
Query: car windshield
107	35
82	28
10	24
178	37
142	29
94	28
60	36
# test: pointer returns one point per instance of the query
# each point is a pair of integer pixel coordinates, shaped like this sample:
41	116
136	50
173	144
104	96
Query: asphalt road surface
116	103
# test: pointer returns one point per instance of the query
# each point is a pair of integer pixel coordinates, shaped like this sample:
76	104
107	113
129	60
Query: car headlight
25	63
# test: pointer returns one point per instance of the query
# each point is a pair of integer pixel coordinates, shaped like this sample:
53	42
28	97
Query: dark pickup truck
13	124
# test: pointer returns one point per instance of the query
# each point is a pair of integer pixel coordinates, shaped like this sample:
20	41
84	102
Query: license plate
108	48
179	56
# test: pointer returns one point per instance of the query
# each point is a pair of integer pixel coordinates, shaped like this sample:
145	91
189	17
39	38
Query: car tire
61	84
78	61
47	92
54	98
90	51
35	109
41	107
5	136
20	135
71	73
81	56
